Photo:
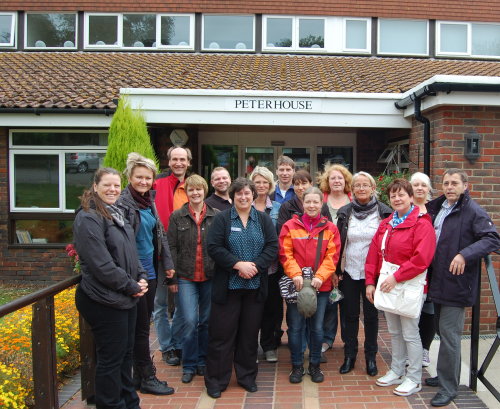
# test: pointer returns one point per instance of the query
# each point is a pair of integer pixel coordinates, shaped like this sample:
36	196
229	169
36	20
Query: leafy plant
128	132
384	179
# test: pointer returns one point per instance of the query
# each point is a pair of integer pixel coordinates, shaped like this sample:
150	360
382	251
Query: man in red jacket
170	196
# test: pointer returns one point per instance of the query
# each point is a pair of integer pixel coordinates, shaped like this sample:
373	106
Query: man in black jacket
465	234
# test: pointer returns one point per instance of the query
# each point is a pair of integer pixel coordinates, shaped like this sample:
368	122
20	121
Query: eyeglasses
364	186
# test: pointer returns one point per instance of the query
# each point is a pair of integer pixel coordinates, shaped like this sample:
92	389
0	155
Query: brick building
369	84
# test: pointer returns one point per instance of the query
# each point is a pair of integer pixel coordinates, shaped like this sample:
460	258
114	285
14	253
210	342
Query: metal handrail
476	374
43	341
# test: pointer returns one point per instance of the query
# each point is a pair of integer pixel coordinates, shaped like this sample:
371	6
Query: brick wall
449	125
24	264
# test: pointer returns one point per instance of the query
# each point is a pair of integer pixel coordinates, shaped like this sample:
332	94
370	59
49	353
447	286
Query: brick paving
355	390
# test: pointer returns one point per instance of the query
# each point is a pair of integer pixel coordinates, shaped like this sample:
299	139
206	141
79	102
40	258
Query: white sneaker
271	356
426	360
390	378
407	388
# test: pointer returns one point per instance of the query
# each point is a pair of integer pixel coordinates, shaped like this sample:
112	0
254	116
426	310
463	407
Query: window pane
79	168
311	33
228	32
453	38
334	154
36	179
301	157
279	32
355	32
103	30
51	30
44	231
258	157
175	30
139	30
59	139
403	37
485	39
213	156
5	29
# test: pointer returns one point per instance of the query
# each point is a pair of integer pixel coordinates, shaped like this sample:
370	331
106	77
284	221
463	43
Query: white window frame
367	49
246	50
46	150
264	33
49	48
297	34
119	28
438	39
13	29
380	20
160	46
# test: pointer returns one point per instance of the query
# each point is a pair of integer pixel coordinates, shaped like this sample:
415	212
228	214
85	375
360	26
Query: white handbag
406	298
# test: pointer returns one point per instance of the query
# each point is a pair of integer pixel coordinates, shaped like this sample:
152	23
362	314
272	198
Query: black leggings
142	353
427	329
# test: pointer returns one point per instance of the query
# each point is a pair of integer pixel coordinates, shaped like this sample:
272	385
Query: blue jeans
296	326
194	304
169	336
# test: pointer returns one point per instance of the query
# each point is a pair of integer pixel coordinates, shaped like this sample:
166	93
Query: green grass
9	292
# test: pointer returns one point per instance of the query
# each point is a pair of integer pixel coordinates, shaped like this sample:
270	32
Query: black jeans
145	306
354	290
113	331
270	329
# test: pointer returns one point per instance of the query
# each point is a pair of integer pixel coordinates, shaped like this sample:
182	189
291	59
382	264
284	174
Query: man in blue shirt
284	189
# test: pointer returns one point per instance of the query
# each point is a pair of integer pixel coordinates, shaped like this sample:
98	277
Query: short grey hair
313	190
266	174
423	178
134	160
369	177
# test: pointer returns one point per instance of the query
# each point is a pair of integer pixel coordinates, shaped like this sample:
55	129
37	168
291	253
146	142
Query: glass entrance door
258	157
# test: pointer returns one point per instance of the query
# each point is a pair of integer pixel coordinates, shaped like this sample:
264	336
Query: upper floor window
402	37
50	30
468	39
139	31
7	29
228	32
294	32
356	34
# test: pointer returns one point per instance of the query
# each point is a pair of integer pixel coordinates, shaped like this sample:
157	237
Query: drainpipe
427	135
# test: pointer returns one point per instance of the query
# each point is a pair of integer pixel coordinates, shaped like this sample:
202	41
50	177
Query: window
139	30
228	32
342	155
356	34
7	29
297	33
51	30
103	30
468	39
403	37
48	172
176	31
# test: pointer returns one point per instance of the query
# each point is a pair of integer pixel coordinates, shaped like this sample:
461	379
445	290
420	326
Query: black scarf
361	211
143	201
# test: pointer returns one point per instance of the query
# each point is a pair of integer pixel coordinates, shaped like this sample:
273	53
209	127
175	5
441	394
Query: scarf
143	201
310	222
361	211
396	220
116	214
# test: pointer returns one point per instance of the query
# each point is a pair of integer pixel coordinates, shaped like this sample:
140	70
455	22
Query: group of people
219	259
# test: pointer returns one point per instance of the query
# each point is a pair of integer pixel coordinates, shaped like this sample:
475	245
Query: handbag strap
318	250
383	244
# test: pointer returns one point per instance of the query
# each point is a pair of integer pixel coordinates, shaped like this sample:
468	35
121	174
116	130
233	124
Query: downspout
427	135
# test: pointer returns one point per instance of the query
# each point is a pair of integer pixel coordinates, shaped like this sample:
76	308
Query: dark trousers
145	306
233	332
270	329
354	290
113	331
427	329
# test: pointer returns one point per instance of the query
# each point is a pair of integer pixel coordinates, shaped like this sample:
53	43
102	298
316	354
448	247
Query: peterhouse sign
273	104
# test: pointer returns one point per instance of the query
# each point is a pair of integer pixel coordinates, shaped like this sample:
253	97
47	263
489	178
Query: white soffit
278	108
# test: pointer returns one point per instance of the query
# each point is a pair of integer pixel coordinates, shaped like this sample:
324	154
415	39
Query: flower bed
16	379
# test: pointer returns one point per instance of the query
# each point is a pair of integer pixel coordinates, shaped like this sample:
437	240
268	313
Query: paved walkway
355	390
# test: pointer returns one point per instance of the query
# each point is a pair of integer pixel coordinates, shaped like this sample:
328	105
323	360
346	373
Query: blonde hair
423	178
266	174
323	181
134	160
196	181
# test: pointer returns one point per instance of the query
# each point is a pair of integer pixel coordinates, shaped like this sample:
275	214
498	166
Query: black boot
151	384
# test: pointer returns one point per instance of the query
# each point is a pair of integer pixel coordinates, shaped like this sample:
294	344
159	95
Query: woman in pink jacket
410	243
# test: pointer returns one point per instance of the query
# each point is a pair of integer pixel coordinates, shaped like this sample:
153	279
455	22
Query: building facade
368	84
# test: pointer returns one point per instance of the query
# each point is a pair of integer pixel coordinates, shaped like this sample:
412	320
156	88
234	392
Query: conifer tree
128	132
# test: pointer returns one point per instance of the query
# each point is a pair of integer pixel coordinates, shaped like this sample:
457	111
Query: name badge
235	228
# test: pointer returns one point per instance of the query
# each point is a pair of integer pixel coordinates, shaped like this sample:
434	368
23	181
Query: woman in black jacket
187	237
137	204
112	283
243	243
358	222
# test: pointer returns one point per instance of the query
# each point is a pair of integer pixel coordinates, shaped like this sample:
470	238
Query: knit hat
307	302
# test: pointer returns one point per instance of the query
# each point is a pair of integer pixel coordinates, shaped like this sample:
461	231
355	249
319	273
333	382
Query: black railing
43	344
476	374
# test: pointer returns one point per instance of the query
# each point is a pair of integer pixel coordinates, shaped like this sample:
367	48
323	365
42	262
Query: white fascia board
226	107
55	120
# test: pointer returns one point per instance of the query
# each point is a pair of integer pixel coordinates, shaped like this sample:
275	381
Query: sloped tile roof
93	80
